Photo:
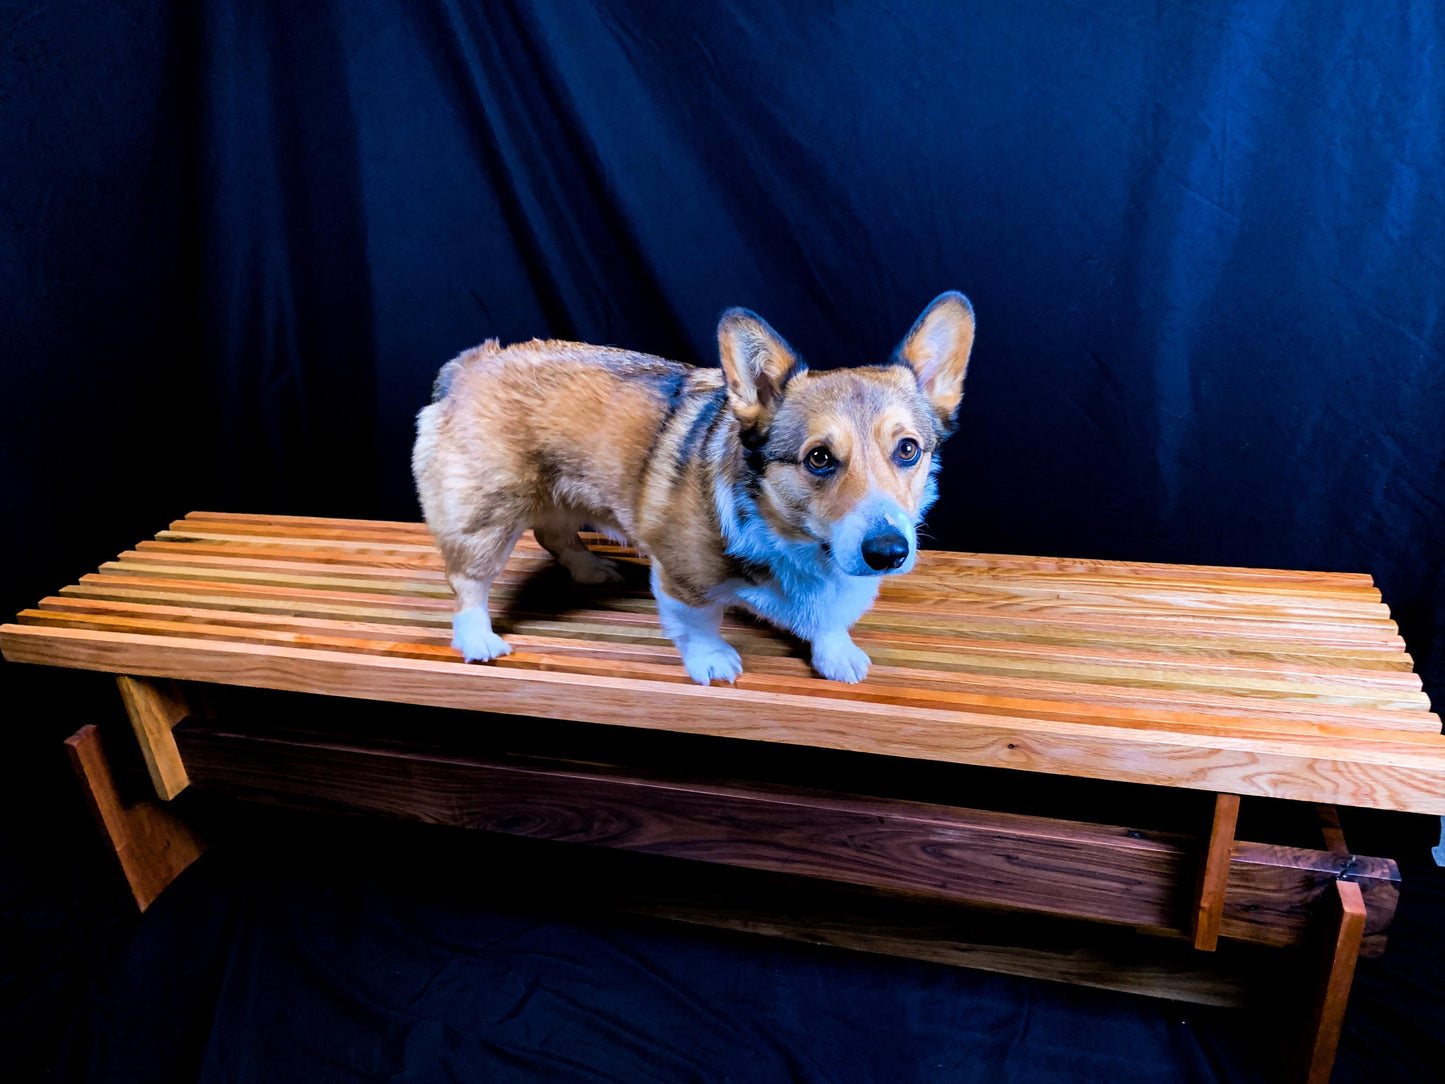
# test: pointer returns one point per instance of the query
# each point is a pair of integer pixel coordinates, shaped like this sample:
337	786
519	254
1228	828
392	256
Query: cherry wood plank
154	708
1214	872
1332	992
152	846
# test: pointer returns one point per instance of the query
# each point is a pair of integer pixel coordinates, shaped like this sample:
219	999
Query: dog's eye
907	451
820	460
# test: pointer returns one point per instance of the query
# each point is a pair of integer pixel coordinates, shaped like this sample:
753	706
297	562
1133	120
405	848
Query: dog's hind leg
473	562
559	538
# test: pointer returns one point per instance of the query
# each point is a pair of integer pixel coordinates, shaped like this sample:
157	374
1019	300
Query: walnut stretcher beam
1227	683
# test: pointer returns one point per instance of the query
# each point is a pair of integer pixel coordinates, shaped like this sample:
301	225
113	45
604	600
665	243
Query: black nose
885	550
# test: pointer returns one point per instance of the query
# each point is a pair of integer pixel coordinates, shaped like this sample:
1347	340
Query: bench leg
152	844
1332	987
154	708
1214	873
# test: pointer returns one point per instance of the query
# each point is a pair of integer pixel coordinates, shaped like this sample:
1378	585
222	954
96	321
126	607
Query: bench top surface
1253	681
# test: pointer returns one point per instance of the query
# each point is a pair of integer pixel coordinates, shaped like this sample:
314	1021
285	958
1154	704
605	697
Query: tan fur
554	435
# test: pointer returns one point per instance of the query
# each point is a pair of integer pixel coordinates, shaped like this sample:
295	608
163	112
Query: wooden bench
939	810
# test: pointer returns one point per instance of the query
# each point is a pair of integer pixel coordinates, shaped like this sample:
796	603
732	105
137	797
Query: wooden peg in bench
154	708
1214	872
150	842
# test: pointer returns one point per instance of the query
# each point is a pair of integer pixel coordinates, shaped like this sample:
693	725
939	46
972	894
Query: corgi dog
761	484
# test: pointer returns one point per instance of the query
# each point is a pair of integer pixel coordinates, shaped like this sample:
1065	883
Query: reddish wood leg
1332	988
1214	872
151	844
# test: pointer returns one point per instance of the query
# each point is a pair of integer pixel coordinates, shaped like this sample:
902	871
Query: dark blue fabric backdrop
1204	242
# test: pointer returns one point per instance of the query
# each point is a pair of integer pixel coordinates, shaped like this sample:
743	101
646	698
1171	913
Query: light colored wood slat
1182	628
971	689
1223	601
436	611
1184	651
410	610
223	537
927	572
911	587
281	524
1374	774
309	521
1036	607
262	572
1381	689
1362	660
979	591
1379	655
1370	690
408	534
623	608
1276	631
534	653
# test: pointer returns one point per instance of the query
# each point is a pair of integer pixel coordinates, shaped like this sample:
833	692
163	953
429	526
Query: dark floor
306	948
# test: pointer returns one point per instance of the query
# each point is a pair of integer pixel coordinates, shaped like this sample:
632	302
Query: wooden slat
928	570
1352	772
1284	682
285	526
763	673
907	684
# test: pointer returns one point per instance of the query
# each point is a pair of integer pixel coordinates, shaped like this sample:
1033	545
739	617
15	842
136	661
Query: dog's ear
937	350
757	364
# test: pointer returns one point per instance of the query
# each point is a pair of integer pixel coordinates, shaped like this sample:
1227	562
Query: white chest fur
810	606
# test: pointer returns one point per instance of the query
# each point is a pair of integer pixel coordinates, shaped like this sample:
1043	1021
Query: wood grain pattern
1036	864
154	708
1275	894
1332	992
1251	681
151	844
1214	872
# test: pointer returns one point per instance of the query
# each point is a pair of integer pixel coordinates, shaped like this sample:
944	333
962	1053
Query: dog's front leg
695	631
838	658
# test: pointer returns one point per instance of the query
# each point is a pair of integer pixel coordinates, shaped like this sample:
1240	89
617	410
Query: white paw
840	660
472	635
592	570
708	660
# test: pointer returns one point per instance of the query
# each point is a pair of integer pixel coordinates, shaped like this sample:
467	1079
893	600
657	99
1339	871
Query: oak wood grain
1354	771
1253	681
